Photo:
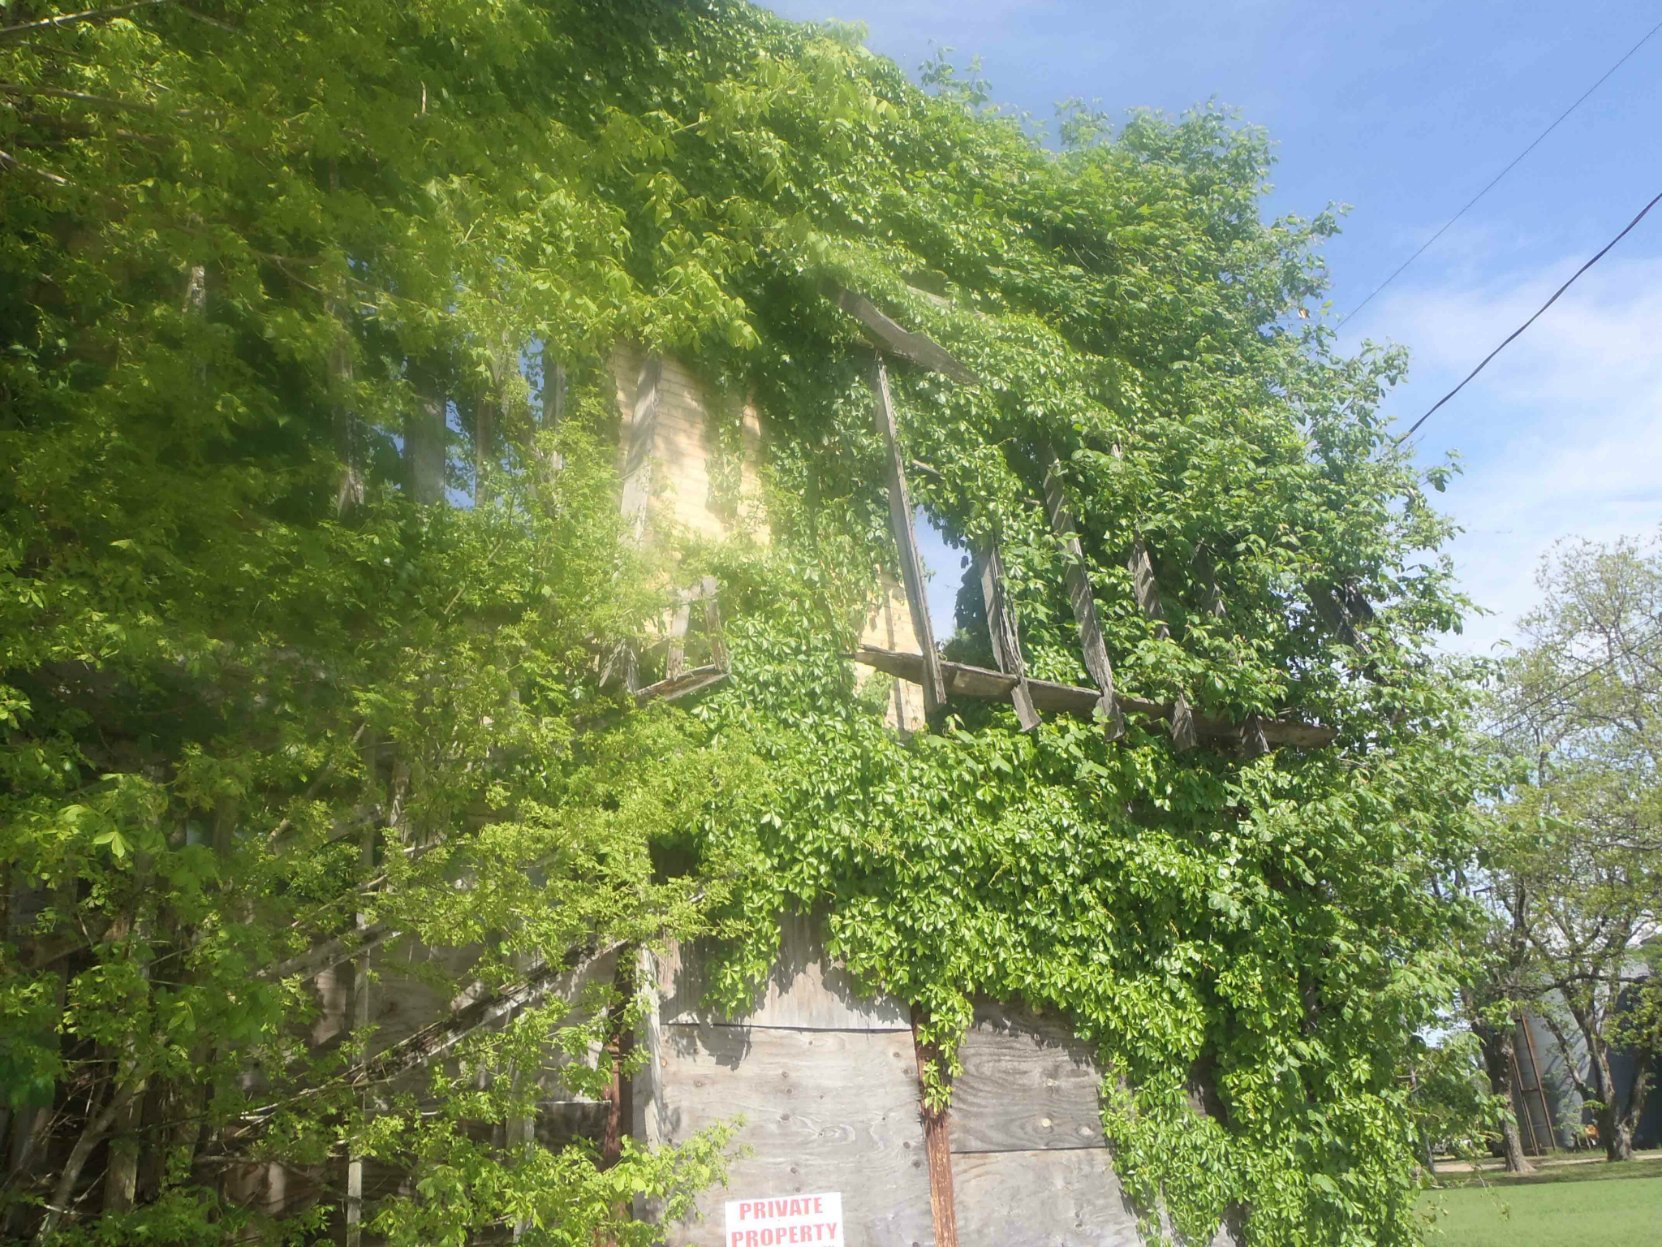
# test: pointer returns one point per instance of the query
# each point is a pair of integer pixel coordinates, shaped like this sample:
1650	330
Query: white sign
785	1221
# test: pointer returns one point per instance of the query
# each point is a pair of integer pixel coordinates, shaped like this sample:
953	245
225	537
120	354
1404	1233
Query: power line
1494	181
1638	647
1414	428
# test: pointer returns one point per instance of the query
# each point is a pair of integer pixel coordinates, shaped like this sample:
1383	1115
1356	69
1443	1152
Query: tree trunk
1615	1129
1498	1044
91	1136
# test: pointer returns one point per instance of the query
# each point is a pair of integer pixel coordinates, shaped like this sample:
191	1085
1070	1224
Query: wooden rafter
1147	591
679	681
911	564
1006	639
896	340
1103	704
964	680
1081	598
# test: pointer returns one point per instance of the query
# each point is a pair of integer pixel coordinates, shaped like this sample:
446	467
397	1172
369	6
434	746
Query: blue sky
1404	110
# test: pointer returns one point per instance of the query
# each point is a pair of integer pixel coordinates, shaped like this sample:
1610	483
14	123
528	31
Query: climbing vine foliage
312	572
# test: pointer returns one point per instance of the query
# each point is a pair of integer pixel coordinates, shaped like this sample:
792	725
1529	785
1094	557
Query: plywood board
823	1111
804	990
1042	1199
1027	1085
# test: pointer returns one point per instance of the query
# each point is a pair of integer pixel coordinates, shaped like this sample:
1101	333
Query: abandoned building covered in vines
478	762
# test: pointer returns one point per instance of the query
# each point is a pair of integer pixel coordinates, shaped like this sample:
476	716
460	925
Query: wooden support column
620	1044
1081	598
937	1149
343	418
911	565
1001	626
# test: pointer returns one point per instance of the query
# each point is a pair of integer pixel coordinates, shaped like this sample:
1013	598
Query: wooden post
937	1149
620	1043
1001	626
343	419
911	565
1081	598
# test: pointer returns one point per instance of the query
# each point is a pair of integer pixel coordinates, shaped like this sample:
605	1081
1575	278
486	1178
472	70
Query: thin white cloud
1564	429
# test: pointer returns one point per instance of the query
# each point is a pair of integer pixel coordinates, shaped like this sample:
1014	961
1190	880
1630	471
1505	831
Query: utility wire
1414	428
1494	181
1637	649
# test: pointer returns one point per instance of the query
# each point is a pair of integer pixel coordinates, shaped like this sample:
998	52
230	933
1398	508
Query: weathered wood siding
824	1081
1030	1165
683	445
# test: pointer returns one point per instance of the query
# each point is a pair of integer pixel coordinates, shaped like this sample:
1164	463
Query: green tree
1580	709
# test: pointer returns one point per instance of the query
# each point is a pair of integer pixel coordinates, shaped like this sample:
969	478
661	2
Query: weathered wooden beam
1006	639
911	564
685	684
1206	573
712	625
1147	591
620	1044
474	1010
1081	598
1341	608
361	1017
892	337
675	659
937	1145
329	954
964	680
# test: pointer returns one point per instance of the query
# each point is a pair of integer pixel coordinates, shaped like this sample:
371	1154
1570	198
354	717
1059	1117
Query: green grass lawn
1573	1206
